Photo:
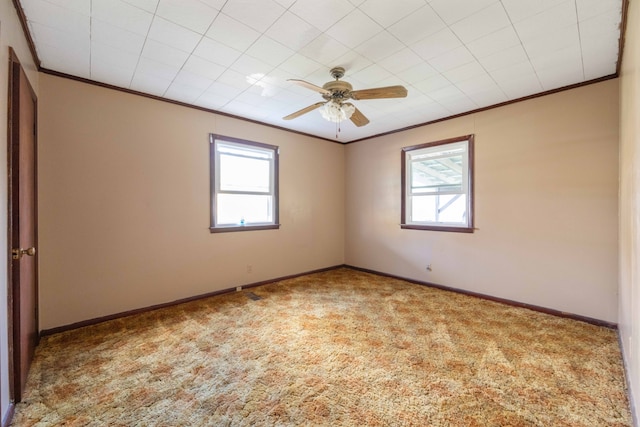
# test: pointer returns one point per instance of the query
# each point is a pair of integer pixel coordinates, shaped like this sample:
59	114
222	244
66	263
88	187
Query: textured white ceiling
235	56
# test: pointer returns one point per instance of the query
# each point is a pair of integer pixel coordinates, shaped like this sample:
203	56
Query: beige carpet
339	348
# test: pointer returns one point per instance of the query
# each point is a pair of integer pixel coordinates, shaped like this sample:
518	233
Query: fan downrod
337	72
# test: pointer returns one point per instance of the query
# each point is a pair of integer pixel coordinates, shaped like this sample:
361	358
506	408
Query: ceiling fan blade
357	117
310	86
303	111
380	92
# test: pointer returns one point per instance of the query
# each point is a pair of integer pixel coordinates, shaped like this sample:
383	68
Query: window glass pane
440	150
239	173
450	209
423	209
233	208
244	150
443	174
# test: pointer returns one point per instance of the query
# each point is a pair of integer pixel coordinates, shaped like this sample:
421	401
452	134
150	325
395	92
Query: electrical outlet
249	268
238	288
429	267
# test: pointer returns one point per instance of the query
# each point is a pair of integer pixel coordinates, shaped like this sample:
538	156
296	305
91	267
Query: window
437	185
244	185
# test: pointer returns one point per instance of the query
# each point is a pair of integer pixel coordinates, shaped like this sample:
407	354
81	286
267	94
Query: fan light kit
336	93
336	112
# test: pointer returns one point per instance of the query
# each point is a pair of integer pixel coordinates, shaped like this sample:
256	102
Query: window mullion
248	193
441	193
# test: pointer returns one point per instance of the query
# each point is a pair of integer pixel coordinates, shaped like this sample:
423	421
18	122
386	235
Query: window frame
214	178
405	187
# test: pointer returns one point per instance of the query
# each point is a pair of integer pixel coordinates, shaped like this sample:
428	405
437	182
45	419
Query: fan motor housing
340	90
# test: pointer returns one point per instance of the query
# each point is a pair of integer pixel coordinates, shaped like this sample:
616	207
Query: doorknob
17	253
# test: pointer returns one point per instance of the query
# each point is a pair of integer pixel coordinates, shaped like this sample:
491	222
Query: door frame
13	294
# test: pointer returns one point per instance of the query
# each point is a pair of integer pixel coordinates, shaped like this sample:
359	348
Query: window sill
243	228
437	228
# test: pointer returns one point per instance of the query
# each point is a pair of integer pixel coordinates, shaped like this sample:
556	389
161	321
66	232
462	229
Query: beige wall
629	295
124	204
11	35
546	180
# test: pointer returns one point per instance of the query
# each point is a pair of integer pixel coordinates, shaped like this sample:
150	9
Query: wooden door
23	234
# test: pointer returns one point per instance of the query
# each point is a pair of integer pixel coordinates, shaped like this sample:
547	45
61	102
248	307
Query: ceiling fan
336	93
